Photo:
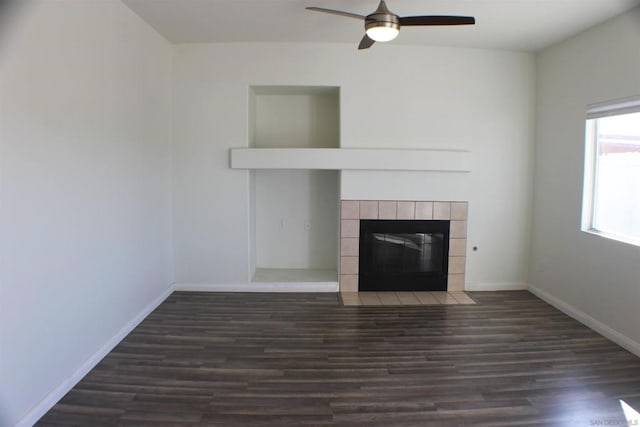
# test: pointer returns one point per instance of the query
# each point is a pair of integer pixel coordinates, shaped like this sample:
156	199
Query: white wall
598	279
85	190
391	96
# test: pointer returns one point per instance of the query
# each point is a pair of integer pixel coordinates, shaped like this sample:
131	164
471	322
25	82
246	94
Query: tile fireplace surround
352	211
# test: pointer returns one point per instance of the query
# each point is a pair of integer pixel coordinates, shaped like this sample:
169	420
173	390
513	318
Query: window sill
612	236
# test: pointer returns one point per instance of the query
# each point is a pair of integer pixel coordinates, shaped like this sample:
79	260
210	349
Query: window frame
591	165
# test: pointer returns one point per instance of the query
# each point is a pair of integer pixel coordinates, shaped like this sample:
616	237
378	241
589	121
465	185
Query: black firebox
403	255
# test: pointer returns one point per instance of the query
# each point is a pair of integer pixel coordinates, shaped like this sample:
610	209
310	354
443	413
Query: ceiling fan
383	25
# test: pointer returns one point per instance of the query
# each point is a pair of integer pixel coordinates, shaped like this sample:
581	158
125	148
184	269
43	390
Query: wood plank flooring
225	359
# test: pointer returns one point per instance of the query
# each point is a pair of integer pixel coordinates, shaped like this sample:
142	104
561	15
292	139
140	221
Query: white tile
445	298
368	209
349	283
455	282
350	298
459	210
457	247
441	210
349	247
349	265
426	298
458	230
350	228
369	298
456	265
406	210
350	209
407	298
388	298
424	210
387	209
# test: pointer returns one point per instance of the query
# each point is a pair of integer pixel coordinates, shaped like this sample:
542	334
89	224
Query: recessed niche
294	214
294	117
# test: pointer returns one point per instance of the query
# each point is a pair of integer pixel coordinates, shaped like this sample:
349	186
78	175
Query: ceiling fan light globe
382	33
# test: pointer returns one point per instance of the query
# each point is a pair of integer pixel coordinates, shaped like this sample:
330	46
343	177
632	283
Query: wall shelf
351	159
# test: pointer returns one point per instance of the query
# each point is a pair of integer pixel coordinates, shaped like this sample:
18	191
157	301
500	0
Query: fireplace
403	255
353	212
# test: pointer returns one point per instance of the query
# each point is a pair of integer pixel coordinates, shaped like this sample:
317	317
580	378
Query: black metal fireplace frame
402	281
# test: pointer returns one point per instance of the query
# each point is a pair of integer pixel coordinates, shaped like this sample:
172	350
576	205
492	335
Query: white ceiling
525	25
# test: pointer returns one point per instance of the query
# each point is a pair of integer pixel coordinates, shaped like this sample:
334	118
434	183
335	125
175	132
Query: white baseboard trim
502	286
582	317
259	287
58	393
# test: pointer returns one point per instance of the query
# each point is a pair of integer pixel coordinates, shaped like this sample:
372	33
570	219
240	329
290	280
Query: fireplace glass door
403	255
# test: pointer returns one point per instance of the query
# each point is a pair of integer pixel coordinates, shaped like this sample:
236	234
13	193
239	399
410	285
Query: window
612	170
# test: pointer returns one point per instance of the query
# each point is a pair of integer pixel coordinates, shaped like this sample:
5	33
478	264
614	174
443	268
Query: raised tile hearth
352	211
405	298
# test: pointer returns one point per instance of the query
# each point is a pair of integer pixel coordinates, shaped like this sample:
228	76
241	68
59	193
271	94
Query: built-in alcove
294	214
294	117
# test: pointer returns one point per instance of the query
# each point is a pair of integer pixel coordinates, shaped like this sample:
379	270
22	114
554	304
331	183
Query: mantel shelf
436	160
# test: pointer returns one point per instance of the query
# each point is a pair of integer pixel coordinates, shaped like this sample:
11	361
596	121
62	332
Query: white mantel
437	160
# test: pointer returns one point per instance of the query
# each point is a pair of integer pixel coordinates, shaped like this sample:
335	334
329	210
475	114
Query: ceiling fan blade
366	42
436	20
336	12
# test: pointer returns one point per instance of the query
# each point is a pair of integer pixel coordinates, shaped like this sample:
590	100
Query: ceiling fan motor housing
382	17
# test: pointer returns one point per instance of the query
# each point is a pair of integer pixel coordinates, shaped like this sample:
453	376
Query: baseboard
582	317
259	287
500	286
58	393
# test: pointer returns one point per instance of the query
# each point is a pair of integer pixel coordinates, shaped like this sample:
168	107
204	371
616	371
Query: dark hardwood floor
225	359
